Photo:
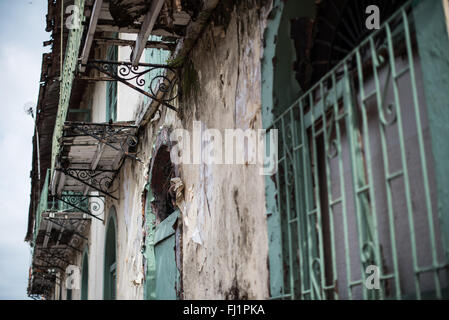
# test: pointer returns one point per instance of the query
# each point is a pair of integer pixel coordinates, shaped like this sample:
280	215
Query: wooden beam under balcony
96	10
131	43
145	31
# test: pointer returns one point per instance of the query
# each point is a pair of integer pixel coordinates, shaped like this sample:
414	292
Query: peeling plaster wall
224	224
129	230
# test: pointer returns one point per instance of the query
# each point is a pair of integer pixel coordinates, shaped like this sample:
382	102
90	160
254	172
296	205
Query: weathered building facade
360	117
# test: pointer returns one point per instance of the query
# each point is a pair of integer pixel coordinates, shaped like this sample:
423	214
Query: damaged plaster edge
446	11
195	29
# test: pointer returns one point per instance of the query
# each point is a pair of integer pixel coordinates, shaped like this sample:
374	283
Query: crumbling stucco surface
224	220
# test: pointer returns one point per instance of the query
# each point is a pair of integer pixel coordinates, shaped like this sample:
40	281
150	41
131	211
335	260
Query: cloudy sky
22	31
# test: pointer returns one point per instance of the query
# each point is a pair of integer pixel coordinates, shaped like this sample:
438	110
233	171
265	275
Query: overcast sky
22	31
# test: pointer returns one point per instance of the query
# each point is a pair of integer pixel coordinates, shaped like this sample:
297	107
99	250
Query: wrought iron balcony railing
66	205
355	187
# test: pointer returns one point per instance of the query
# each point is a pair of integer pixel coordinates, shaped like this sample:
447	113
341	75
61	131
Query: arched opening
85	276
163	238
110	264
161	174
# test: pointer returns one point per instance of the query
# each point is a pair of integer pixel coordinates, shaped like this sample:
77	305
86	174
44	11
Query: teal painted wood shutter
111	88
167	274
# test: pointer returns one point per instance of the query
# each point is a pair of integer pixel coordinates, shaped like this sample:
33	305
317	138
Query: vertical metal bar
297	148
305	154
278	198
372	218
403	160
342	186
349	109
382	123
287	201
329	192
318	213
421	151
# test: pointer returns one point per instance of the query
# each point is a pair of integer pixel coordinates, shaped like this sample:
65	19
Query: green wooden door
164	250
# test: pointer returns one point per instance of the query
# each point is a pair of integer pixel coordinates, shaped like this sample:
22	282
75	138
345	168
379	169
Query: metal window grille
355	185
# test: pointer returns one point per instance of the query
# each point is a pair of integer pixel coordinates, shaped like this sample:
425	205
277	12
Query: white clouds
16	129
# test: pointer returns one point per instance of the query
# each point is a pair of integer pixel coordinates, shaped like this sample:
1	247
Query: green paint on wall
433	46
279	90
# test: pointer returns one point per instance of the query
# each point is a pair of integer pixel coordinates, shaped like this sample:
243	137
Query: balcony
61	227
91	155
142	18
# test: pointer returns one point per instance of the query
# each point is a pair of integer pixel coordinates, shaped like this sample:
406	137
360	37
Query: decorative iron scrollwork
388	115
162	79
99	180
333	149
90	205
